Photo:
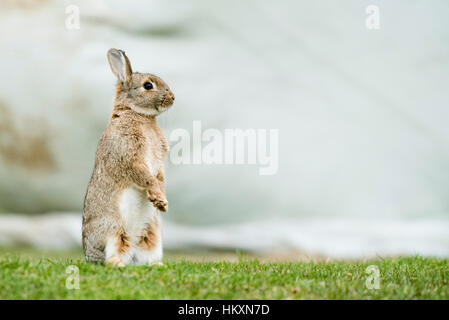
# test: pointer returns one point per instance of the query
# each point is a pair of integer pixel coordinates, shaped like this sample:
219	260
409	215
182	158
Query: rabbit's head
142	92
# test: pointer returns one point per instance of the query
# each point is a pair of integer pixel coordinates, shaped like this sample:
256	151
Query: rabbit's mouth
167	100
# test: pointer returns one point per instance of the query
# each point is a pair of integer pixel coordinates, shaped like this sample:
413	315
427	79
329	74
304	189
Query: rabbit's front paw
158	201
161	204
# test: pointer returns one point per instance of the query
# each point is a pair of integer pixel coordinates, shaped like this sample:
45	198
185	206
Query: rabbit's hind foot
117	250
115	261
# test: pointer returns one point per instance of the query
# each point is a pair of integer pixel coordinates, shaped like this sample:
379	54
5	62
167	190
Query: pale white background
362	117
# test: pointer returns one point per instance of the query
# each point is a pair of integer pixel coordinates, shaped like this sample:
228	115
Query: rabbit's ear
120	65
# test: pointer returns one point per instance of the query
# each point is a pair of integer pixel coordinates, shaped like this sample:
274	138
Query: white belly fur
137	212
149	162
152	160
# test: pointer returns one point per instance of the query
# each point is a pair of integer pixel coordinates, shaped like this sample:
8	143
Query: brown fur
151	236
120	160
123	243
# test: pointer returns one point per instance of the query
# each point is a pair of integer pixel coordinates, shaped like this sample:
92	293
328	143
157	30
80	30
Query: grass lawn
31	276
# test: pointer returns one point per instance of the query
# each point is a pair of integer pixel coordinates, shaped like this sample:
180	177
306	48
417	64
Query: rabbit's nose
170	94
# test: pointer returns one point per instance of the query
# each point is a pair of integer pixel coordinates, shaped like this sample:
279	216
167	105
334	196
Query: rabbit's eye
148	85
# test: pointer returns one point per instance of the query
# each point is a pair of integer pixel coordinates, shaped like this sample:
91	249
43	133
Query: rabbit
126	193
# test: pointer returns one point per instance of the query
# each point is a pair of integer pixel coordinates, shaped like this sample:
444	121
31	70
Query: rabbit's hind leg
92	253
117	250
148	250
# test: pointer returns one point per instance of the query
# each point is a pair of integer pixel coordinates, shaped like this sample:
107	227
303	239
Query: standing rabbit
121	218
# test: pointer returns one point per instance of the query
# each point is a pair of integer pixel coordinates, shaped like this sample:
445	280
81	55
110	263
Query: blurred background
362	116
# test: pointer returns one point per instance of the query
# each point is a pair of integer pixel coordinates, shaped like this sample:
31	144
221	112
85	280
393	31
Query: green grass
28	276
